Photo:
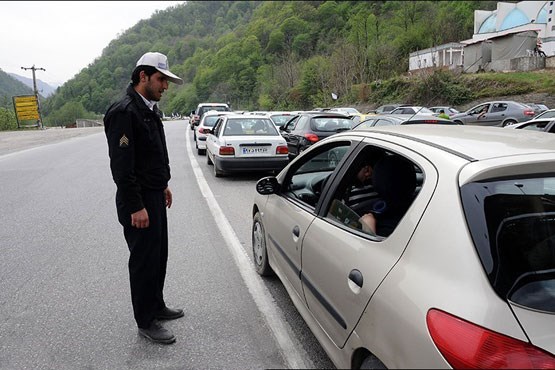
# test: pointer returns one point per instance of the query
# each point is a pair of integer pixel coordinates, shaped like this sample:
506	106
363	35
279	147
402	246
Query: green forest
269	55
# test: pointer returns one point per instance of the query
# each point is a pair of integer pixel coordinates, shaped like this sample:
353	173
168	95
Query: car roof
470	142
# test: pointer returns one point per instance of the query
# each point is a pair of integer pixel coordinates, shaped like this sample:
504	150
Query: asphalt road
64	295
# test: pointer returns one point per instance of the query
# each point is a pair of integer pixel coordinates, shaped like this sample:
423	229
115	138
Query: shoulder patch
124	142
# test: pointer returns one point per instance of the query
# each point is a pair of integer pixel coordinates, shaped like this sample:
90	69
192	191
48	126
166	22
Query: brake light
466	345
282	149
311	137
227	150
529	112
204	130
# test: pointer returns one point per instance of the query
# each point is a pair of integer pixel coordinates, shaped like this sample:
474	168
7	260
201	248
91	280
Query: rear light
311	137
282	149
529	112
465	345
204	130
227	150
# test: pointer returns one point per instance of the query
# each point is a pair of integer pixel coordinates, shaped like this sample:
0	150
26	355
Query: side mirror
267	185
282	128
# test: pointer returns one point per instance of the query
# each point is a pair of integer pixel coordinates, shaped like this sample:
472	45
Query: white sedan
240	143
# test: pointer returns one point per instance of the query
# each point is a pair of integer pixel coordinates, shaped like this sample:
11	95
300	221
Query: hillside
10	87
270	54
44	89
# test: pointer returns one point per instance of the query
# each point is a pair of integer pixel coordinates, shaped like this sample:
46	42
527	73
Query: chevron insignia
123	142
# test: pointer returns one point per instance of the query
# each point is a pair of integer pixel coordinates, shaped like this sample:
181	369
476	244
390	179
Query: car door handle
296	231
356	277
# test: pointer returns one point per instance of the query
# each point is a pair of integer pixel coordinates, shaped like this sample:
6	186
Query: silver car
495	113
457	267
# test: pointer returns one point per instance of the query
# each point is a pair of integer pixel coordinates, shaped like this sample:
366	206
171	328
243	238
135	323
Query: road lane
64	294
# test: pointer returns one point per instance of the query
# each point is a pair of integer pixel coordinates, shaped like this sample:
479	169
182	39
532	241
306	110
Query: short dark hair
135	76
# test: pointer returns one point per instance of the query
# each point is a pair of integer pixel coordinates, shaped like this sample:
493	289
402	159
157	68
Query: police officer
140	169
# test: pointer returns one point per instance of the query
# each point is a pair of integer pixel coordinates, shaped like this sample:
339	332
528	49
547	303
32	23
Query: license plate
255	150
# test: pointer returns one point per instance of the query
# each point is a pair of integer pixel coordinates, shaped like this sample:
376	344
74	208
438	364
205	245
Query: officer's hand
139	219
169	197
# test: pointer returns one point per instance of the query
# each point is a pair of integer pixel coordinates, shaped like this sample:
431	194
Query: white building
448	56
500	37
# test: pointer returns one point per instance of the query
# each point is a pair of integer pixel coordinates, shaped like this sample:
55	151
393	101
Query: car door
212	140
291	213
286	129
342	266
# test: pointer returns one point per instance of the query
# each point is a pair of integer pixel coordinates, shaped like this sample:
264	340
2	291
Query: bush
7	120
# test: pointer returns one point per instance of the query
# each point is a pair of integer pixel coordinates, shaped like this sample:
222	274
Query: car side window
375	193
305	181
499	107
292	124
217	127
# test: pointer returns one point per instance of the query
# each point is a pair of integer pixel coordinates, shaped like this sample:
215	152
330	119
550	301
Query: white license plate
255	150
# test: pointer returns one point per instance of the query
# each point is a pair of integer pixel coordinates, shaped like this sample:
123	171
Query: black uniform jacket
137	149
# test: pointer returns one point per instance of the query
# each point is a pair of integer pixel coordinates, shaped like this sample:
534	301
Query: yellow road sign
26	107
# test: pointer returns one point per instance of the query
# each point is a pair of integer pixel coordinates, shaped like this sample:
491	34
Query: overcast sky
64	37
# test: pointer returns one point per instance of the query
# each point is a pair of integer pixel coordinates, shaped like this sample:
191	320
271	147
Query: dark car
401	119
308	128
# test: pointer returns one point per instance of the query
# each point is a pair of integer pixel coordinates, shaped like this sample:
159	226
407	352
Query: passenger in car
394	179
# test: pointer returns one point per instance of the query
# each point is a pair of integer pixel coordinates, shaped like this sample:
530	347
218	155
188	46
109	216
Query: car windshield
547	114
512	222
219	108
250	127
331	124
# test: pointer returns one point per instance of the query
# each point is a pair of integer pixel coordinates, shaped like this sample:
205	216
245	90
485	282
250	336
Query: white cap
160	62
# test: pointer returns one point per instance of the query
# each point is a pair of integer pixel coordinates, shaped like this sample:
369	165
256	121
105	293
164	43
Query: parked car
495	113
400	119
550	113
464	277
206	124
245	143
348	111
447	109
385	108
412	110
538	108
547	125
280	118
202	108
309	127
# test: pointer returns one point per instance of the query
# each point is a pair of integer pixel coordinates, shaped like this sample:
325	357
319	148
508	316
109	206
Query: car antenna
414	114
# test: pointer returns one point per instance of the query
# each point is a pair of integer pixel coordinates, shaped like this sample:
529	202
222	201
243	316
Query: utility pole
33	68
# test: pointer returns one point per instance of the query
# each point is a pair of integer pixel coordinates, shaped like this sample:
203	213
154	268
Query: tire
208	160
259	251
508	122
458	122
372	362
200	151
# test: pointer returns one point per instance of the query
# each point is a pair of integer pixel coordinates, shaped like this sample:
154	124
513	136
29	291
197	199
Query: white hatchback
245	143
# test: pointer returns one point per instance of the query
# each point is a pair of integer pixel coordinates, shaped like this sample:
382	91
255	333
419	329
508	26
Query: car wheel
208	160
372	362
201	151
458	122
509	122
259	251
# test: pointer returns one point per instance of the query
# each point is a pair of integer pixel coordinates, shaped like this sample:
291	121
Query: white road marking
290	348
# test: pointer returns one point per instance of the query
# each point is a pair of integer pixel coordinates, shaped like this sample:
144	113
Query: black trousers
148	256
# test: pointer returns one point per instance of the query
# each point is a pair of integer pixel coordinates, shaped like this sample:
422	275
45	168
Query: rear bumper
253	163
